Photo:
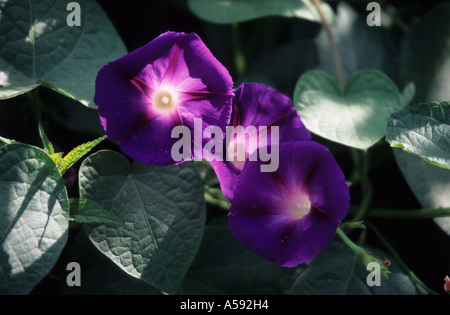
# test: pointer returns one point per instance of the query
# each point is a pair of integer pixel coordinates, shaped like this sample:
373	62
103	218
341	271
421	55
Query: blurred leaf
337	271
279	66
34	214
360	47
430	184
38	47
407	95
73	156
162	211
246	272
88	211
230	11
423	129
425	56
358	117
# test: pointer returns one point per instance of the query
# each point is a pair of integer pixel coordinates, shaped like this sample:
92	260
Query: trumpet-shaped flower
290	215
169	82
257	109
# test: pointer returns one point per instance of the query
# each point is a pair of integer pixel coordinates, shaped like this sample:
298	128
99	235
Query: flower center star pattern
169	82
287	214
290	215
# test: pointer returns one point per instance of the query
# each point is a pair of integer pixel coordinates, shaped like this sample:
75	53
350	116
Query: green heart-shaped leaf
162	215
423	129
357	117
39	47
34	217
100	276
247	273
88	211
336	271
430	184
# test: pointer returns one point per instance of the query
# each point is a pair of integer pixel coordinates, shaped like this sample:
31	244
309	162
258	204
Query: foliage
376	96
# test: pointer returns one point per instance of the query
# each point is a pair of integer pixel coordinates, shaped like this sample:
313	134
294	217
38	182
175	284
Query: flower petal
159	49
261	216
281	240
319	175
170	81
259	105
121	105
150	143
203	67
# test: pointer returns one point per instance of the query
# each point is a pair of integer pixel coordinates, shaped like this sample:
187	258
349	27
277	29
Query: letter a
74	17
374	17
373	278
74	277
184	143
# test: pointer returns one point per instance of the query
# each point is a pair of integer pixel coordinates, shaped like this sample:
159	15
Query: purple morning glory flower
256	105
169	82
290	215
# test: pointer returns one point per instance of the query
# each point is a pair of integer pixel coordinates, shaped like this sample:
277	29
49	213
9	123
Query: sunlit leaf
358	117
38	47
423	129
230	11
34	214
76	154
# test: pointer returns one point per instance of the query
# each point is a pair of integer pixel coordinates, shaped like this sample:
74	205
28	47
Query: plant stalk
366	188
429	213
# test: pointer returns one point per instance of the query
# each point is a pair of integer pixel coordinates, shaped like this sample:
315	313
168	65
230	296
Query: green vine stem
429	213
361	254
362	162
355	248
36	105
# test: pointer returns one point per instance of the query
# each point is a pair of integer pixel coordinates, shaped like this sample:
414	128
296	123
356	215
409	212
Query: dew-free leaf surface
38	47
357	117
34	216
161	212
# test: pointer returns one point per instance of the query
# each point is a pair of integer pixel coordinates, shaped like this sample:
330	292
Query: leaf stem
334	47
397	257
